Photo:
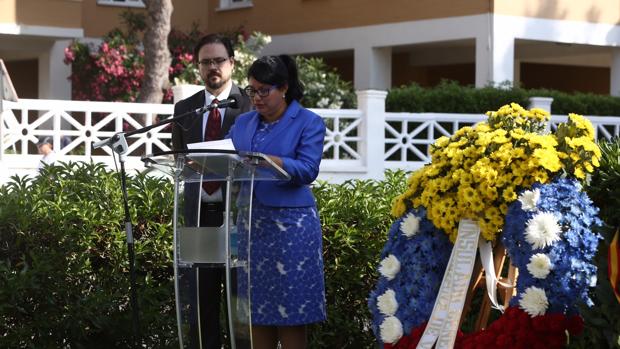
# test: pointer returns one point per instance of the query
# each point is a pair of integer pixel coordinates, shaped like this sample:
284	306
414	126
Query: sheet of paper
222	144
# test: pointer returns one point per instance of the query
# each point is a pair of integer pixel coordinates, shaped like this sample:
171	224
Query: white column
495	55
614	88
483	60
180	92
54	73
372	68
53	79
372	104
543	103
503	53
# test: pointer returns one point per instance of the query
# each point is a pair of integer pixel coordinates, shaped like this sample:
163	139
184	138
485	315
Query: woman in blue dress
286	254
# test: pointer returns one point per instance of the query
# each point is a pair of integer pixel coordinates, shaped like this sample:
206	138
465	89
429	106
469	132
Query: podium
221	242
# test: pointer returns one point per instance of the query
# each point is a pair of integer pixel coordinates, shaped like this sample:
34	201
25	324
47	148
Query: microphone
231	102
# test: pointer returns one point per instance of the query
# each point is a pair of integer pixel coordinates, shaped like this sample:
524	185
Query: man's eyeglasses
261	92
217	61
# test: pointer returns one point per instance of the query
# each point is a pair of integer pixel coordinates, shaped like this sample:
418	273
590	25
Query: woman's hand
276	159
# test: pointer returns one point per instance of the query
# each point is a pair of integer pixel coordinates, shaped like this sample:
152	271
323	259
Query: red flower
487	339
417	332
523	334
511	312
540	323
503	341
540	345
575	325
405	343
556	340
557	322
512	325
524	319
514	329
469	344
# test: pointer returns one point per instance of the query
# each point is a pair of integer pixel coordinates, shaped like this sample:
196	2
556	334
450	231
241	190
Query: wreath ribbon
486	258
444	321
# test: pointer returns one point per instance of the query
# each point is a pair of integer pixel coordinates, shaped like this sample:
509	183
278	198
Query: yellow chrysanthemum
398	207
548	158
442	142
579	173
582	123
477	172
509	194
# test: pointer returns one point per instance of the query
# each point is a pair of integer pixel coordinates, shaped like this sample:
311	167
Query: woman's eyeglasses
261	92
217	61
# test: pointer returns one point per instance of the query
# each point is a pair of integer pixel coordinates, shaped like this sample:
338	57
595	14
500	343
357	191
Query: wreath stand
478	281
462	276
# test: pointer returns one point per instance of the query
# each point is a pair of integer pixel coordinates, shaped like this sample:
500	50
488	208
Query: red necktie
213	132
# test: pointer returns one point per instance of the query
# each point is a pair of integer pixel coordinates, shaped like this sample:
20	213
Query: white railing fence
359	143
74	126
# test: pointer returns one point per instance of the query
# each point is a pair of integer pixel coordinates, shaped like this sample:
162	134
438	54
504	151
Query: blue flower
573	272
423	259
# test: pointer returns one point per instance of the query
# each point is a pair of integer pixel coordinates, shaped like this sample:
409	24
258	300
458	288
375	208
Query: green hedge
450	97
602	328
64	269
355	217
63	260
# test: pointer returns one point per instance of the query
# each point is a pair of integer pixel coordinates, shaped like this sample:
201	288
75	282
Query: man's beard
214	85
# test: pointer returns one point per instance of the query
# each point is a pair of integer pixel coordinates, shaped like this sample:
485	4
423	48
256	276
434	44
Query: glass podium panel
211	242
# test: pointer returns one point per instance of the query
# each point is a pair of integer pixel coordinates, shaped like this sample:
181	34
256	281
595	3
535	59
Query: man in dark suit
215	56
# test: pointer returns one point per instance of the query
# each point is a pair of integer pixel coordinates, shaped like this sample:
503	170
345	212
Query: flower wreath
521	184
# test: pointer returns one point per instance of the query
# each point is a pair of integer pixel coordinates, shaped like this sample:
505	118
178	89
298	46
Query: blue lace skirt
286	260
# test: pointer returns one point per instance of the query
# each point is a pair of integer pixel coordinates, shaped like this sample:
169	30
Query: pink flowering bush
183	68
113	71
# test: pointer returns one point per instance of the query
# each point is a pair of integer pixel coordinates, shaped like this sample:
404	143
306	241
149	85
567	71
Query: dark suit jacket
189	130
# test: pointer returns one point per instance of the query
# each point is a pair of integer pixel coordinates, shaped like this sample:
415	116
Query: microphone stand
118	144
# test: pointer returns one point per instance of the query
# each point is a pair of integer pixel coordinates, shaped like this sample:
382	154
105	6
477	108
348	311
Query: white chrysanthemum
389	267
542	230
387	303
410	225
539	265
534	301
391	330
529	199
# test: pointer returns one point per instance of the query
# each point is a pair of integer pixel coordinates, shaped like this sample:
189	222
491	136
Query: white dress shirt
217	195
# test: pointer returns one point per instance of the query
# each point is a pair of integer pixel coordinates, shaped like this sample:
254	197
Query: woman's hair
278	71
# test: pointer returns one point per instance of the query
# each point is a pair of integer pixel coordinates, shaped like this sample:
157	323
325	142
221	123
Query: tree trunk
156	52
